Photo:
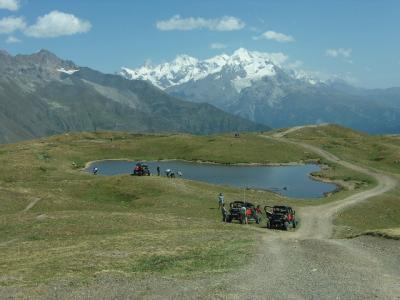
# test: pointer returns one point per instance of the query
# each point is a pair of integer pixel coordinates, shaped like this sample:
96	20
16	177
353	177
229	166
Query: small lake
291	181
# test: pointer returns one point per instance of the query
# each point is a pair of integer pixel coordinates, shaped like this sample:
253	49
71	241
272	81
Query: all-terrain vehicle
235	212
141	170
282	217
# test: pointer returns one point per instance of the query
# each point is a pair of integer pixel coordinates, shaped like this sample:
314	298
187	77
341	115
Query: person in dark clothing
158	170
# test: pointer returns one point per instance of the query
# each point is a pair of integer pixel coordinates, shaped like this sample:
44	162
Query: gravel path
307	264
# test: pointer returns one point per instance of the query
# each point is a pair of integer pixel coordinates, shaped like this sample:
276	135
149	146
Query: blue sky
357	40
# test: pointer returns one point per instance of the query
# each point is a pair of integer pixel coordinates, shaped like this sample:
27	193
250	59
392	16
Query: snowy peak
242	55
182	69
244	65
185	60
66	71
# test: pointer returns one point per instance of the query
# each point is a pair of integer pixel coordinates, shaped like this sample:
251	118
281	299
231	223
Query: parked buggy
281	217
235	212
141	170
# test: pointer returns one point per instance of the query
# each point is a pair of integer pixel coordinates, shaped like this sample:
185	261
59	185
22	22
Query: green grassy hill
83	226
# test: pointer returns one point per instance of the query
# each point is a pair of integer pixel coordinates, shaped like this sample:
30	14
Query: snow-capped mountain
248	66
42	94
267	88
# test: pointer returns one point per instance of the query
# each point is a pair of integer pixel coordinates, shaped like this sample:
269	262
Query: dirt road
317	221
307	264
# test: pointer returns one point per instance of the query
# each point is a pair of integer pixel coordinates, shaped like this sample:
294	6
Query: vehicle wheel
286	226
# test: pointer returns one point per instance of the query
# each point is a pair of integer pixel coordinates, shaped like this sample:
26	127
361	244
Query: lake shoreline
242	164
318	178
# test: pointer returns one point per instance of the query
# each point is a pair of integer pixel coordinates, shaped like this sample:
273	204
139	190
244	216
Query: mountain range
41	94
264	88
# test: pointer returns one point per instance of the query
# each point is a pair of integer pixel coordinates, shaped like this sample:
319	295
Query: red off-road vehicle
141	170
235	212
282	217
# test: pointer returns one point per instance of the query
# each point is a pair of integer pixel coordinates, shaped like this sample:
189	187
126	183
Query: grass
380	152
86	225
376	214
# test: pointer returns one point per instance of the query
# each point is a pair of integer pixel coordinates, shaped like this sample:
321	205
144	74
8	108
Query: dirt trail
317	221
31	204
295	128
308	264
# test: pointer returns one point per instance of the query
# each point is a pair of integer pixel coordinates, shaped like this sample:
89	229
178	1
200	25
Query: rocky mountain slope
264	88
41	94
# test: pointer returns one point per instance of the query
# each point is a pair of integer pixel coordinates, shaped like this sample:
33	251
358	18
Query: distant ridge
41	95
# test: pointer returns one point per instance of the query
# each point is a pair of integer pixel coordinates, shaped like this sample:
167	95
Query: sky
356	40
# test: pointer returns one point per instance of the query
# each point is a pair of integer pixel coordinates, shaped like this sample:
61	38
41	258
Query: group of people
245	212
170	174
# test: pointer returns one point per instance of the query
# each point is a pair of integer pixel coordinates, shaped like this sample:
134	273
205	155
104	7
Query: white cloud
10	4
56	24
11	24
12	40
340	52
218	46
278	58
226	23
275	36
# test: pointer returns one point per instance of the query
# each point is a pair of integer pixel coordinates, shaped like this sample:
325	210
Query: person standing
95	170
258	210
224	213
243	211
220	200
158	170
